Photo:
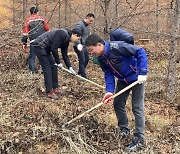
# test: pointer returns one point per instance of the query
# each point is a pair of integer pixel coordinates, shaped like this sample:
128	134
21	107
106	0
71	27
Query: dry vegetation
31	123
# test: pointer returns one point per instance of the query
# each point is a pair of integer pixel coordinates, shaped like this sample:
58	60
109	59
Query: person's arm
109	77
140	55
129	50
46	26
64	51
79	26
142	62
110	83
26	30
57	41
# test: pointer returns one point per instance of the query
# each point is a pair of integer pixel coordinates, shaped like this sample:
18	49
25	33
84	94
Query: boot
52	95
56	91
136	145
124	132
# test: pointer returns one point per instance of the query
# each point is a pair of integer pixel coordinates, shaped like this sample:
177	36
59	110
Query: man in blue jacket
128	63
121	35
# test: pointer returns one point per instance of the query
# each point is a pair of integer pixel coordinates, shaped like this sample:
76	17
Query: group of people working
118	58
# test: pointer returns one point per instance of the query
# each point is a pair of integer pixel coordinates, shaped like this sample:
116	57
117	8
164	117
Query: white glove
142	78
72	71
60	65
80	47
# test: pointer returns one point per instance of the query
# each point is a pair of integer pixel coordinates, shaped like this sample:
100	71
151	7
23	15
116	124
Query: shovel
98	105
83	78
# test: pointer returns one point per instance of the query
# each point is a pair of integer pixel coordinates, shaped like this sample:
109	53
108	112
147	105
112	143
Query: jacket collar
69	32
106	48
34	14
85	23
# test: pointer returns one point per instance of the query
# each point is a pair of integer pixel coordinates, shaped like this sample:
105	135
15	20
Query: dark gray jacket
52	40
85	32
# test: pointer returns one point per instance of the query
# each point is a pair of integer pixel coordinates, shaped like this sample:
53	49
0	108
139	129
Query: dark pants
49	69
83	58
32	57
137	107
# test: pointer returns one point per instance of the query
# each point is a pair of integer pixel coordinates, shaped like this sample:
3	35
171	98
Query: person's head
33	10
89	18
95	45
76	35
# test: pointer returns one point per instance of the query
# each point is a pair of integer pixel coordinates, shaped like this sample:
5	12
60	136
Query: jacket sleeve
57	41
79	26
109	78
139	54
64	51
26	30
46	26
142	62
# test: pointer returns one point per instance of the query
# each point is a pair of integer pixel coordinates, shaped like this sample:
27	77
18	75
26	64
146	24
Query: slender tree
172	80
37	3
65	12
24	8
59	15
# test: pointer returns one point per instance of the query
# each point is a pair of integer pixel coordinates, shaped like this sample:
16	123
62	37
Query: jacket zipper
116	70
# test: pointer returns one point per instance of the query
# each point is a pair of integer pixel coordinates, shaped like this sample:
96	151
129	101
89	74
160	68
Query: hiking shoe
56	91
124	132
136	145
52	95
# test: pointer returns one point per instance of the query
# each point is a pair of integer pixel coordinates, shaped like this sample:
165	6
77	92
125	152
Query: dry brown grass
31	123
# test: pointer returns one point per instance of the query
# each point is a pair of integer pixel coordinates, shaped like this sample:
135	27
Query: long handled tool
98	105
83	78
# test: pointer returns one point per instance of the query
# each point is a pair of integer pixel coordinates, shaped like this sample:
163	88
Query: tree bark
24	8
172	80
37	3
59	15
105	12
157	19
65	13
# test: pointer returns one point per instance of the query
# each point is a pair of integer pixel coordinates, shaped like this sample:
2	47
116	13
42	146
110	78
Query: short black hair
90	15
33	10
93	40
77	31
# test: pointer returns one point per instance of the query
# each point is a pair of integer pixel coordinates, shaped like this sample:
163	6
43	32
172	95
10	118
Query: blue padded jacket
124	61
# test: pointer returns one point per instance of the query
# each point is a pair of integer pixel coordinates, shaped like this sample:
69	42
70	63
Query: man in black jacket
46	48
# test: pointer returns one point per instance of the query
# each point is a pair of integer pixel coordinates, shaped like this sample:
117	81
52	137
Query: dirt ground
30	123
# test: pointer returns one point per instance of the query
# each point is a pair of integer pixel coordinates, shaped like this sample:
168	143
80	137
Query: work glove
142	78
80	47
106	98
60	65
72	71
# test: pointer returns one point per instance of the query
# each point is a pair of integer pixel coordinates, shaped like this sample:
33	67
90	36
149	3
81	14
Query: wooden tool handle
98	105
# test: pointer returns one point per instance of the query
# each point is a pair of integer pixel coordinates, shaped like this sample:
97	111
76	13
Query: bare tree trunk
24	8
37	3
105	12
157	20
65	13
95	12
172	80
59	21
46	8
